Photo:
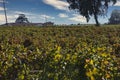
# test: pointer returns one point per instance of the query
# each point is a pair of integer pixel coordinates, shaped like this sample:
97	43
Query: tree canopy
21	19
89	8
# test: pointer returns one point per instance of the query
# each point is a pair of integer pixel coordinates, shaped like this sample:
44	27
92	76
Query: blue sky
54	10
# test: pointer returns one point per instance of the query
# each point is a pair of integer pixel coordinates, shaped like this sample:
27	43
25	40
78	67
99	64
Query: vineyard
60	53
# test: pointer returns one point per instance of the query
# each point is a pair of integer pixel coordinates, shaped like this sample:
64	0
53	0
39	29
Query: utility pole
5	12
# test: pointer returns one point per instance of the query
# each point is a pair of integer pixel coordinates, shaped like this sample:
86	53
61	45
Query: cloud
62	15
2	17
118	3
1	8
58	4
43	16
11	18
78	18
1	1
32	17
20	12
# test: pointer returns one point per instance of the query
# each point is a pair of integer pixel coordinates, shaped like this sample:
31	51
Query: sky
38	11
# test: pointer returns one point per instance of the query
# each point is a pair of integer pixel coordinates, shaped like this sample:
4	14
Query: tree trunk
96	20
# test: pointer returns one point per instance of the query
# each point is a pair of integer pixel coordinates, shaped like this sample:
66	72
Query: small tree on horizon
89	8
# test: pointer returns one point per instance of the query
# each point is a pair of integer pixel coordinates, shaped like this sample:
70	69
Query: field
60	53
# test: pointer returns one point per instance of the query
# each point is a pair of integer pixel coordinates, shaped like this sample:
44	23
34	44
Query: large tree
89	8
